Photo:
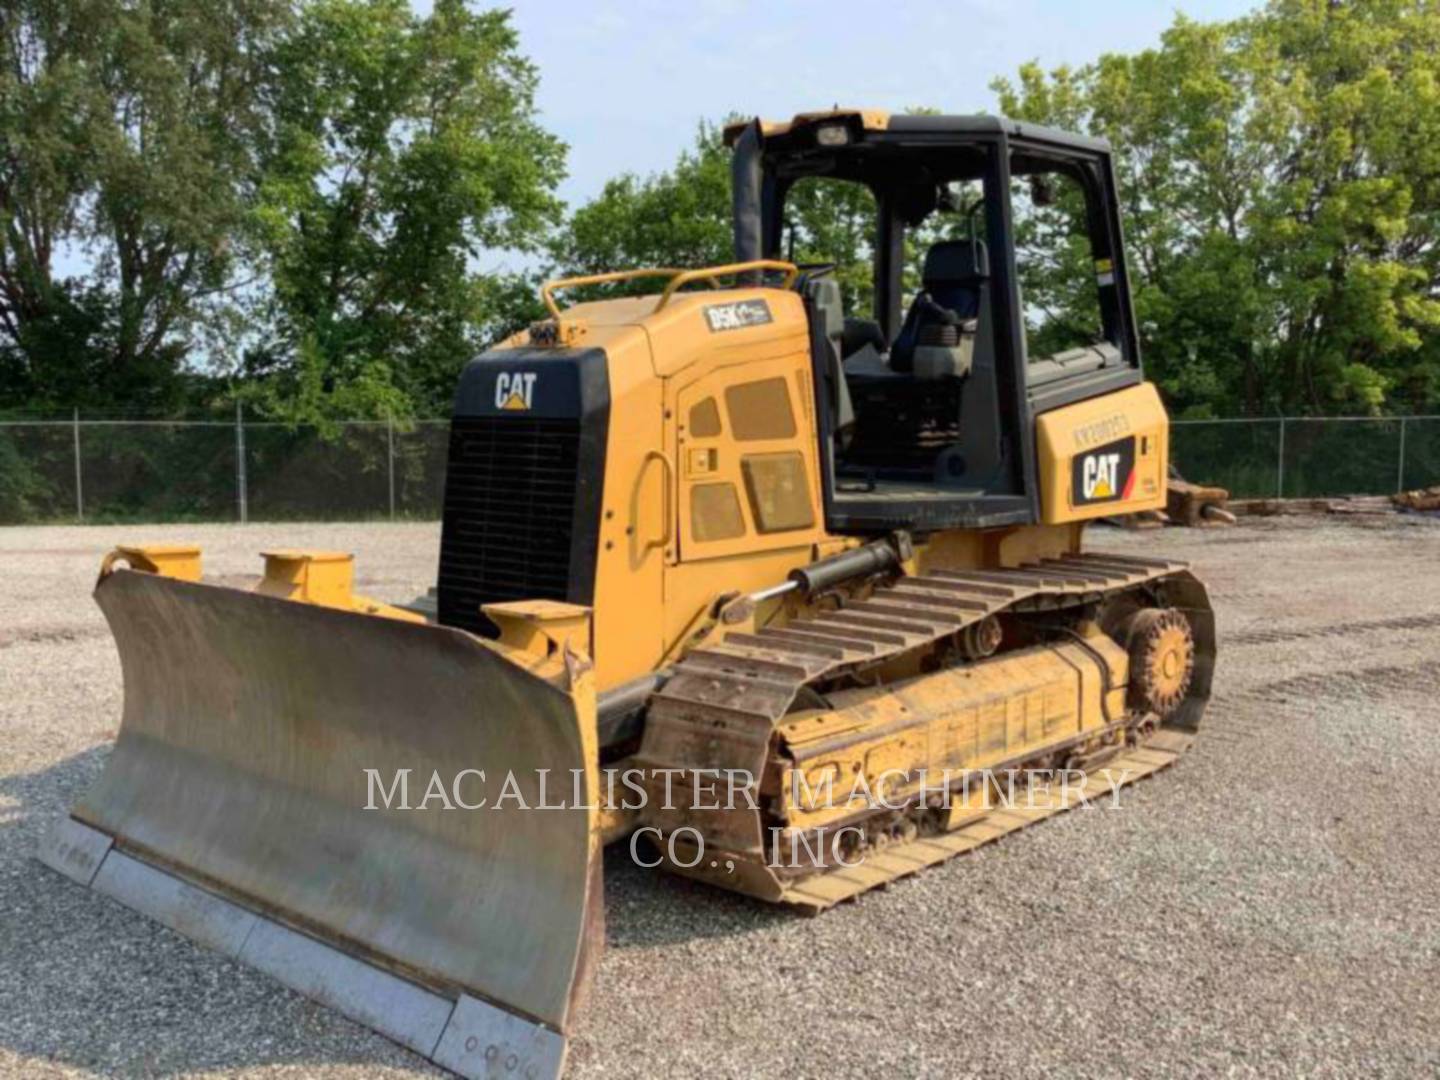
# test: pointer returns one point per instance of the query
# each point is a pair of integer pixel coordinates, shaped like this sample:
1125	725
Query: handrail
549	287
686	276
677	279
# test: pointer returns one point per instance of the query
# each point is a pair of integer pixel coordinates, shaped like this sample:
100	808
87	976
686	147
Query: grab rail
548	289
677	279
712	272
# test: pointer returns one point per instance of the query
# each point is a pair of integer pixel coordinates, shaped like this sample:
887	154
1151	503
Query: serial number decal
737	316
1111	427
1105	474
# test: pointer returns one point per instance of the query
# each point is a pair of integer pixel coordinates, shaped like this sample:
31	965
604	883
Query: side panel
741	430
636	518
751	482
968	718
1108	455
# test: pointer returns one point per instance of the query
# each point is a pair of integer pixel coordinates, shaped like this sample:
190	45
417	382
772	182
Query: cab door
748	479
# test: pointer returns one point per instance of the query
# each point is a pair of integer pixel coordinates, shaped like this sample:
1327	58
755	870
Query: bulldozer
754	565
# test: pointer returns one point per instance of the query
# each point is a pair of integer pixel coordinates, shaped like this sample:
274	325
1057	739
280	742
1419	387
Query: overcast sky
624	84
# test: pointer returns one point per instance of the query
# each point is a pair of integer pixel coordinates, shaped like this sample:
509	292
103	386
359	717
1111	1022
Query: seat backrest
954	272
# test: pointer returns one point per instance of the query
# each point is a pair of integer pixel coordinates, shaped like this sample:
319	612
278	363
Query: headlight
832	135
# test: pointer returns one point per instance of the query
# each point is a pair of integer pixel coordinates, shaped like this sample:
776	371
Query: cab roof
880	121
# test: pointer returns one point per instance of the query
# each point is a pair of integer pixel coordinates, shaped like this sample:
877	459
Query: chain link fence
1305	457
242	470
247	470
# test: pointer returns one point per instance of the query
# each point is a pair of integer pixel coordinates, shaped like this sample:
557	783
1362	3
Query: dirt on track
1270	906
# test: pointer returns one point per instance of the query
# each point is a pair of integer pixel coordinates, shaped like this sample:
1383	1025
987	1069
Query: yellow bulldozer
759	569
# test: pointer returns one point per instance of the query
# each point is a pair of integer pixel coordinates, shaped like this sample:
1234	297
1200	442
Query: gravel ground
1271	906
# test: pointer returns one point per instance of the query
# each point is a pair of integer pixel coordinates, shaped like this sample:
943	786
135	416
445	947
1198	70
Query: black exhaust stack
746	198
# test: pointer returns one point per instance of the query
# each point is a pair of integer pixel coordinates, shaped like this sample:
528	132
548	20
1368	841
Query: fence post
1280	464
79	490
390	444
241	495
1400	478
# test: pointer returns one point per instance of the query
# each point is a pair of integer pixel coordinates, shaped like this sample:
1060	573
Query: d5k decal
737	316
1105	474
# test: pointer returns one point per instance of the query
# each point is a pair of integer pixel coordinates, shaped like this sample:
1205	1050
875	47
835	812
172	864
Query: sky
624	84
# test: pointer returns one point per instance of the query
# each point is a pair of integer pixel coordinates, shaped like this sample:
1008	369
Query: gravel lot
1271	906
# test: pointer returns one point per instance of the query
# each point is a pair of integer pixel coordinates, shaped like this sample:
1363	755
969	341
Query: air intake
508	530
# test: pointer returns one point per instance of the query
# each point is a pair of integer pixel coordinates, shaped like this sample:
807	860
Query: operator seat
949	298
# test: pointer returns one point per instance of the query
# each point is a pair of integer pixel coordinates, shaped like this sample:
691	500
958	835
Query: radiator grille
509	515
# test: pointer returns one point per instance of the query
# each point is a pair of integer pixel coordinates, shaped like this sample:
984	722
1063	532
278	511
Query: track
726	706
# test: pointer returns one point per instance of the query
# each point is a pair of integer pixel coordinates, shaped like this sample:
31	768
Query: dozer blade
234	809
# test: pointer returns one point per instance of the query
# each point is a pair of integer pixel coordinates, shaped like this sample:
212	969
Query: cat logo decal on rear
1105	474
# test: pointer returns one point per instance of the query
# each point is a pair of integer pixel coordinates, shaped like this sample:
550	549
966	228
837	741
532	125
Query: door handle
667	500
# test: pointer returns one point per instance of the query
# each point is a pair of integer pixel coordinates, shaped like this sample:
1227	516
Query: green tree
682	218
833	221
406	154
127	136
678	218
1279	176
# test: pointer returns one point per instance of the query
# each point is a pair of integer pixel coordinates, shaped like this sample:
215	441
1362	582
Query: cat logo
1098	481
515	390
1105	474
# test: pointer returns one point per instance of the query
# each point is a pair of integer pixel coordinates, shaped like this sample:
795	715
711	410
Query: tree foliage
406	149
128	135
681	218
1280	182
310	195
312	202
1279	176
